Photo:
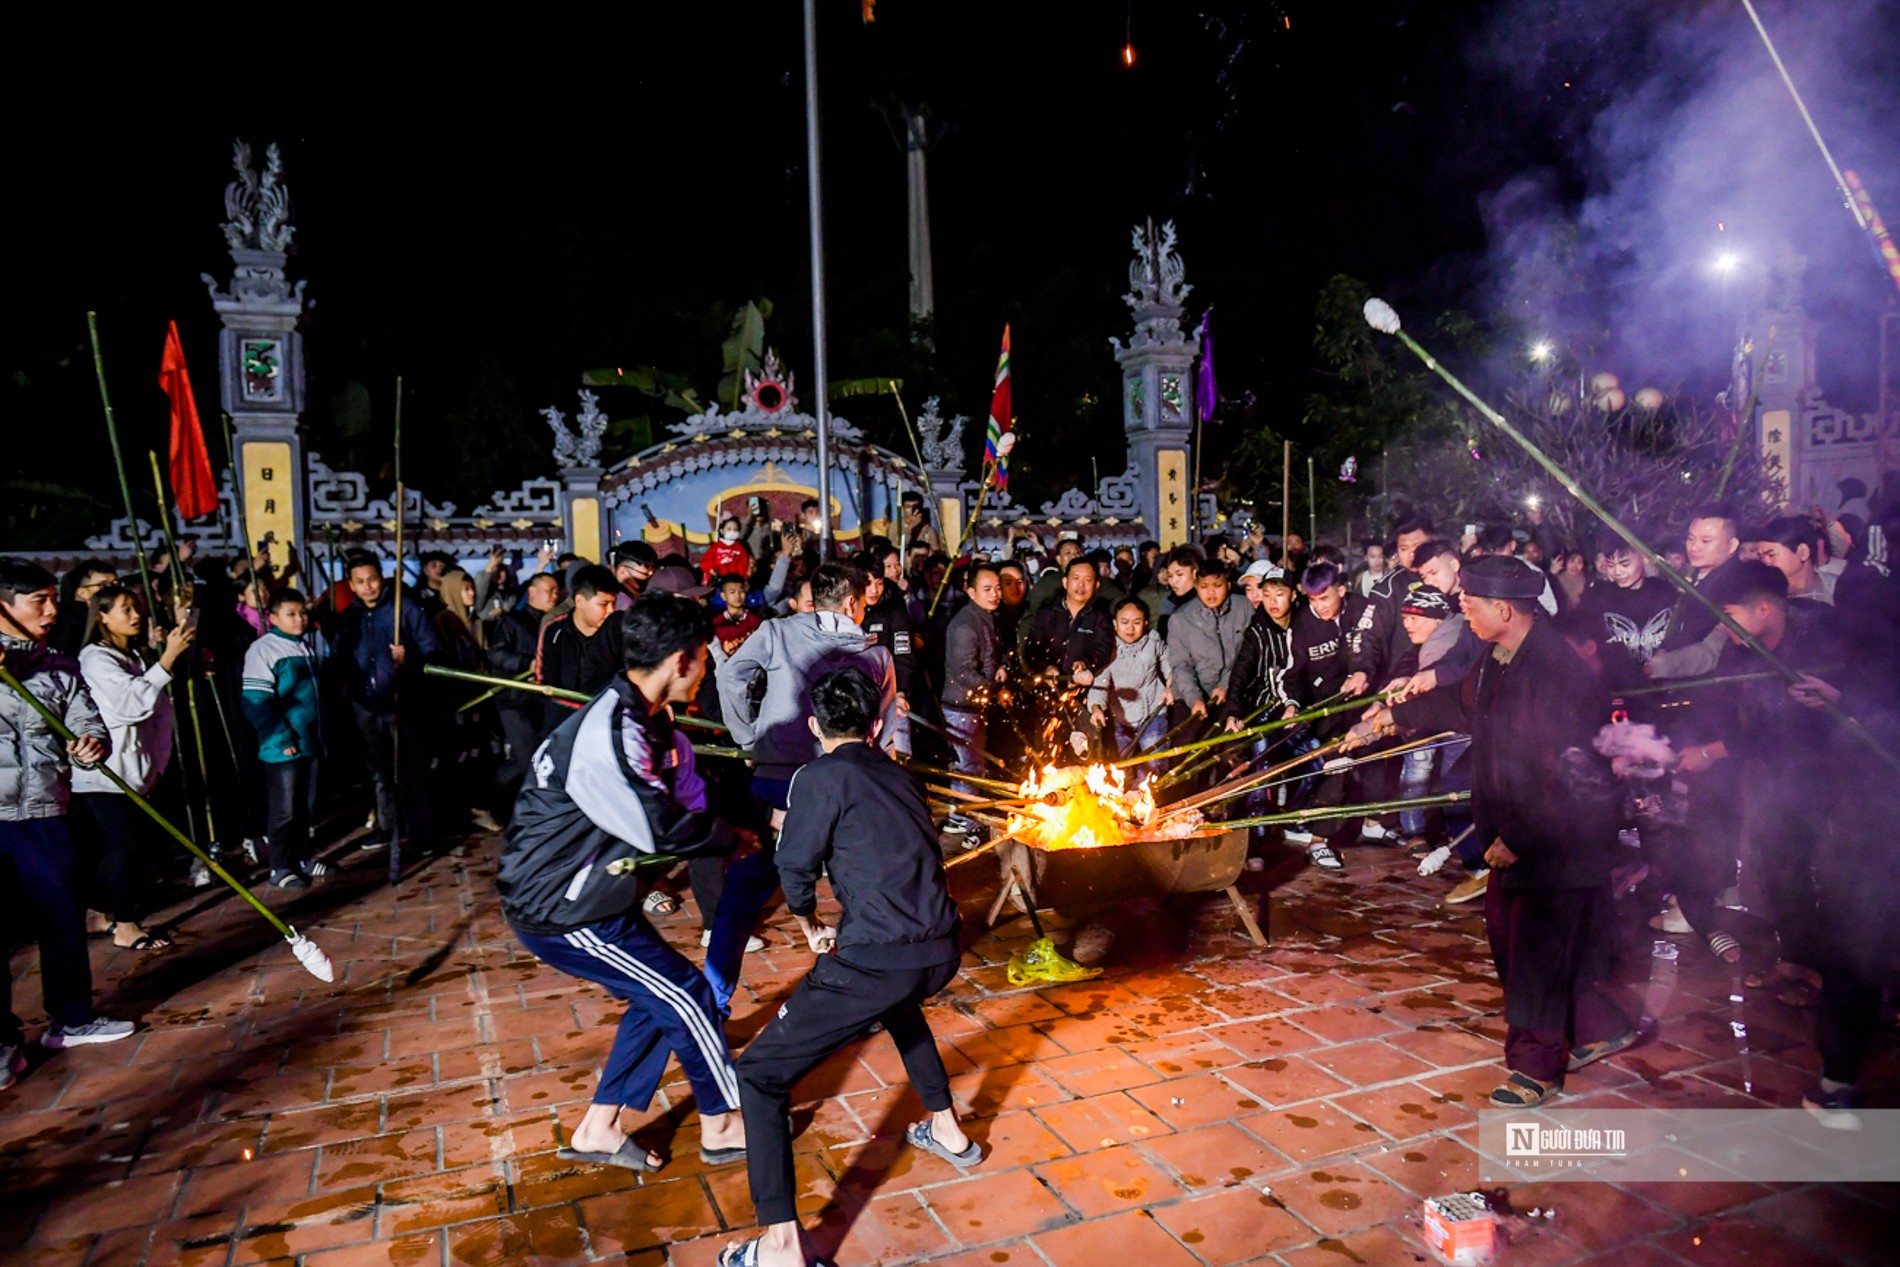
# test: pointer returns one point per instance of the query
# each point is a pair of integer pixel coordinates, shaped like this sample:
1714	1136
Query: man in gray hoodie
791	653
1203	639
36	850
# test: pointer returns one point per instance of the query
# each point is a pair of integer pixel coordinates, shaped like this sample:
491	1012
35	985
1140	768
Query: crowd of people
1513	650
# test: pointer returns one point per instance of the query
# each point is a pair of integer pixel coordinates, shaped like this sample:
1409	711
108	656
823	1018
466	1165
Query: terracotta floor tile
1243	1003
1232	1226
281	1229
407	1251
1091	1031
1082	997
1404	1110
842	1074
653	1214
1379	1245
280	1177
1839	1218
1011	1045
1282	1080
384	1157
1698	1200
1015	1139
1342	1197
1188	1102
889	1230
1102	1121
455	1196
813	1188
1369	1063
1097	1072
889	1164
1595	1216
1183	1055
1107	1181
1169	1016
998	1091
286	1131
1218	1156
881	1057
1445	1047
121	1203
1428	1167
437	1108
1264	1038
1014	1009
996	1207
549	1237
1133	1237
1743	1243
1312	1131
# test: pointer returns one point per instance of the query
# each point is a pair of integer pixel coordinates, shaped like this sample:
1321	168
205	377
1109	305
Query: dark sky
490	212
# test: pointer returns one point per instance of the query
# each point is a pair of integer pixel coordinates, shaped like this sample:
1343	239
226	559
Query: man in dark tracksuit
381	669
858	817
602	795
510	653
1322	669
1531	708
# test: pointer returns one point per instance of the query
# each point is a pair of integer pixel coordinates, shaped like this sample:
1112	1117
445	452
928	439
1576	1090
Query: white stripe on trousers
712	1046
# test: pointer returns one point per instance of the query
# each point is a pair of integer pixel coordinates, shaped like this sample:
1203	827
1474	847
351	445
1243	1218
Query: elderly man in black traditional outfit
1543	802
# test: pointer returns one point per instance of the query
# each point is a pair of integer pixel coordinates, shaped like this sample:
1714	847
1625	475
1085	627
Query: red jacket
722	557
731	629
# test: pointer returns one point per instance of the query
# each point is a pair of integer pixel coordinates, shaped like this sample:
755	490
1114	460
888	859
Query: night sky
492	214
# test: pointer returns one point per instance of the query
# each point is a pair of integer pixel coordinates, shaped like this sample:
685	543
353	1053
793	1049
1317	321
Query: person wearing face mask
726	555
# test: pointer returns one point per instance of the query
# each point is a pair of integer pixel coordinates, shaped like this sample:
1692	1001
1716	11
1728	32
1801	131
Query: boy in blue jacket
283	673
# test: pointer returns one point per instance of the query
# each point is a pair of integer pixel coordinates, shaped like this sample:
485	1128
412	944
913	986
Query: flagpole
395	731
815	195
118	462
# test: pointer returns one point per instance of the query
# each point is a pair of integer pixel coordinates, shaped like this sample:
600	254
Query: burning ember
1091	808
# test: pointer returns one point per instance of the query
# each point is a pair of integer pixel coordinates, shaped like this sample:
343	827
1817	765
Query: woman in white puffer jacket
138	712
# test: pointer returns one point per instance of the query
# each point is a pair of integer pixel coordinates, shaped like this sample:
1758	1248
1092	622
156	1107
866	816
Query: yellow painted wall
583	518
1172	482
950	515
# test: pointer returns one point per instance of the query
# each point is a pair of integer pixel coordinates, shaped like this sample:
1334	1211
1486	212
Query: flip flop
1722	944
720	1156
1589	1053
747	1255
1521	1091
629	1156
918	1135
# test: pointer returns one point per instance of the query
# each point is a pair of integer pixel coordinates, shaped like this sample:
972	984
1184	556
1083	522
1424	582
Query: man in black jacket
1074	634
1531	708
511	654
858	817
607	790
580	651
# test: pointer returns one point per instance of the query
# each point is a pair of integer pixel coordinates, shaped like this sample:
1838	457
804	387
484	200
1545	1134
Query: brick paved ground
1205	1102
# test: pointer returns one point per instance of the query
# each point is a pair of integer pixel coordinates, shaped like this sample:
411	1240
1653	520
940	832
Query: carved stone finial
589	425
1158	289
257	203
566	450
942	452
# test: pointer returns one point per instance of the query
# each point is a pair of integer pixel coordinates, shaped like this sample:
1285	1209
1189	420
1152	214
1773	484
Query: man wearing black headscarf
1539	797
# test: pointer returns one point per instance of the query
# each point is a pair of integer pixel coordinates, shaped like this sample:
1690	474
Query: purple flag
1206	396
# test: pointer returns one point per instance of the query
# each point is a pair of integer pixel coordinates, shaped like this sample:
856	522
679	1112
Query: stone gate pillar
943	467
1158	384
260	351
577	453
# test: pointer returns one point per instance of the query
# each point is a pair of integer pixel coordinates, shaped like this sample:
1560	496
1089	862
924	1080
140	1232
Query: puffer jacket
1202	644
792	653
131	699
35	774
1132	686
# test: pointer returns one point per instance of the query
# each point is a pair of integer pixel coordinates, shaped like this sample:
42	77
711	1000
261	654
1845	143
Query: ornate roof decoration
942	451
258	203
770	389
1158	290
581	445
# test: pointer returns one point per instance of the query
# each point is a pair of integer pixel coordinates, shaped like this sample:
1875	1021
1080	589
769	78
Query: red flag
192	482
995	452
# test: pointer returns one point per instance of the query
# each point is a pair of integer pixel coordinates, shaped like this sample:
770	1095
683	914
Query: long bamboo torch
181	593
1371	809
1382	317
572	697
395	731
308	953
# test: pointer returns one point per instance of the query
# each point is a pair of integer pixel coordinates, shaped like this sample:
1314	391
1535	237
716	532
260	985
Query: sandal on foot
1589	1053
1726	948
720	1156
629	1156
747	1255
1521	1091
918	1135
143	942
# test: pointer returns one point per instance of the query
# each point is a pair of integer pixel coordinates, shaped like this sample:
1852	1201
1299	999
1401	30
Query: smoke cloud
1680	147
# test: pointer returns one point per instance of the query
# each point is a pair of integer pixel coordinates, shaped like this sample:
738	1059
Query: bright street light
1542	351
1727	262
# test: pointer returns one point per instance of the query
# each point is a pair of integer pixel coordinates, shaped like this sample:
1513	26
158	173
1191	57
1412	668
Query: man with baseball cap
1531	708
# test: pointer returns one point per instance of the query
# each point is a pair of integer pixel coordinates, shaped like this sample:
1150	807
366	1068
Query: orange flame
1092	808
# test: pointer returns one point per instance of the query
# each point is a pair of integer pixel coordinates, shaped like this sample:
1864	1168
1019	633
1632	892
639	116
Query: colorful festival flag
1206	395
193	485
995	451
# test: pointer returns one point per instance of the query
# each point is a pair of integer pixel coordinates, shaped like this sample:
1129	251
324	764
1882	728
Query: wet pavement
1204	1102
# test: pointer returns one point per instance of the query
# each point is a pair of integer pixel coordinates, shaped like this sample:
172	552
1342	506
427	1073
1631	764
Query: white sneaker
98	1030
1323	855
200	874
1671	920
1373	829
1294	836
315	870
249	849
1431	862
752	944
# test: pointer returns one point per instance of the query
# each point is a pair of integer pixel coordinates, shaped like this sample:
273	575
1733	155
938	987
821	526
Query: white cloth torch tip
1431	862
311	956
1005	443
1381	316
1337	763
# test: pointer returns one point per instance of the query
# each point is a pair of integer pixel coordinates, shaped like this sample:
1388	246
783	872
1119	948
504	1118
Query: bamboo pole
572	697
1380	316
994	760
118	462
307	951
244	526
1235	787
1441	740
1696	683
1370	809
1286	499
1312	714
395	730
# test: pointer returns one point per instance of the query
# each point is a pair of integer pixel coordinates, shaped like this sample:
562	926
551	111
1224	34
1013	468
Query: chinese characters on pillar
1171	484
